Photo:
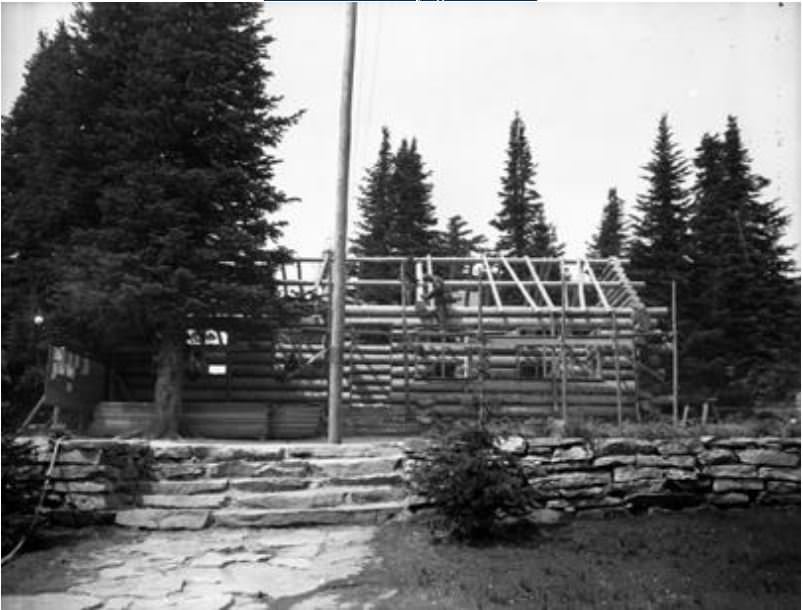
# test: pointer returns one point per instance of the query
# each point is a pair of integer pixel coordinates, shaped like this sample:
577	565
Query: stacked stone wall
94	479
628	474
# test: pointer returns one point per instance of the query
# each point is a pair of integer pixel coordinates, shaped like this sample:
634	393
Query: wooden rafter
521	287
539	283
602	298
491	281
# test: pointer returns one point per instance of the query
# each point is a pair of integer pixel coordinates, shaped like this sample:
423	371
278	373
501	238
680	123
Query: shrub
22	481
472	484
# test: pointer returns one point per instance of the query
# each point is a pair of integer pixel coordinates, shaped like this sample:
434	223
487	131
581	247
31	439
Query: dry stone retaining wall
95	479
631	474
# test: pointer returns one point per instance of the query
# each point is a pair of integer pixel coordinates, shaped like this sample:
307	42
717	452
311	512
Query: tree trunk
169	383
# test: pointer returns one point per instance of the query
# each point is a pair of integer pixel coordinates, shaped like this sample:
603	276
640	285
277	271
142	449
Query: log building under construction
520	338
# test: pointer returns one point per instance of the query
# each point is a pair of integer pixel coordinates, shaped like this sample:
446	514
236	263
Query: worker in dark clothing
440	296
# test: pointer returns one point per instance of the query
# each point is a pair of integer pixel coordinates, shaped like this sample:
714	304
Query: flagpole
338	292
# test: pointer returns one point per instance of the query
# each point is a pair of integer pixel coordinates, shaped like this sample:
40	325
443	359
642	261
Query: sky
589	80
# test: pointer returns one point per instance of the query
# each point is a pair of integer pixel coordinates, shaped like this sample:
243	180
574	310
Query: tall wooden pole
338	297
674	353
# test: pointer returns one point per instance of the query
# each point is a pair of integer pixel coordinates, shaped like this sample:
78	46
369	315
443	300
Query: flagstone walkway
217	569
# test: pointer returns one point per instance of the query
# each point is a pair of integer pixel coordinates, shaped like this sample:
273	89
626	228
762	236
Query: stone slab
183	501
768	457
158	518
51	601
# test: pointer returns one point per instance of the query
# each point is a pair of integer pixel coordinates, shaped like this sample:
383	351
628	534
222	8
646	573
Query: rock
348	450
584	492
571	454
516	445
736	442
729	499
81	487
783	487
732	471
666	461
167	450
545	445
89	457
623	446
92	502
179	471
614	460
725	485
309	498
780	474
270	484
683	446
251	452
546	516
156	518
624	474
600	502
183	501
716	456
344	467
77	472
570	480
191	487
768	457
559	504
51	601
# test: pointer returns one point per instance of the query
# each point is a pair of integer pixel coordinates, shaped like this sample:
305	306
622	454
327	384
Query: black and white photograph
324	305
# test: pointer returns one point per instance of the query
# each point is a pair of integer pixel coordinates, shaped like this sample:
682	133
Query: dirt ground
729	560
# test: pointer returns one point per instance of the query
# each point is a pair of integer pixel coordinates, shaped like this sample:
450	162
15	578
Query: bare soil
730	560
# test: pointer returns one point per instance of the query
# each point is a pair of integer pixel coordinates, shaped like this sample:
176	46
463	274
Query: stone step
166	451
195	519
302	499
341	515
319	498
289	468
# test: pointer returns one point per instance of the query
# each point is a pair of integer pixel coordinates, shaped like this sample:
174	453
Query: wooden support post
403	277
674	354
563	380
481	362
338	303
618	373
494	291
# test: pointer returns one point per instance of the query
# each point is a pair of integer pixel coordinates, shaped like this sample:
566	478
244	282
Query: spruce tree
458	239
178	140
609	240
658	250
375	204
46	188
412	226
743	303
522	221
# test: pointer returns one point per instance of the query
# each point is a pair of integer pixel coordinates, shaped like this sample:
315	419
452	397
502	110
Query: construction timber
523	338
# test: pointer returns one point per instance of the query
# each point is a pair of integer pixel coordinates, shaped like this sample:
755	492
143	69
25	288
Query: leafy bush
472	483
22	481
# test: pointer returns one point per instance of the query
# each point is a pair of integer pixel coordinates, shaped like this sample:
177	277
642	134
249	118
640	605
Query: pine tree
412	226
609	240
522	221
658	250
375	204
458	240
745	330
177	139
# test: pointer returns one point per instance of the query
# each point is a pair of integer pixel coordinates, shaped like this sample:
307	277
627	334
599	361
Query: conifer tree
744	313
44	197
522	221
658	249
609	240
177	137
375	204
458	239
412	226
